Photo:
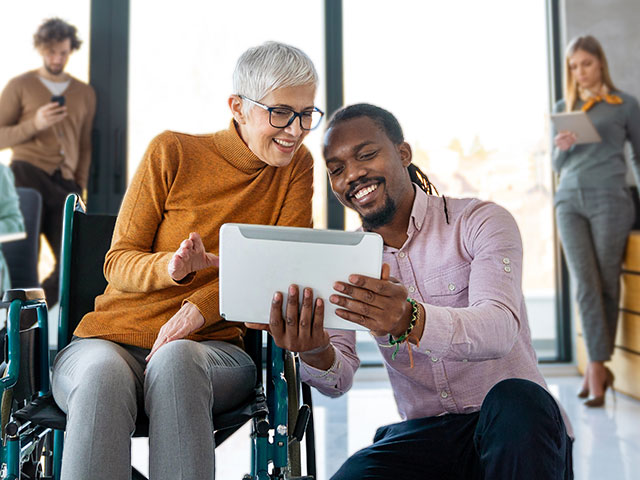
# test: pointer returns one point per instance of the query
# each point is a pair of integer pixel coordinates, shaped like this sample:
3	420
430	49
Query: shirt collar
419	210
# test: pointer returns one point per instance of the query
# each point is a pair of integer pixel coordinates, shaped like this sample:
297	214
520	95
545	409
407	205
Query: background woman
594	208
155	342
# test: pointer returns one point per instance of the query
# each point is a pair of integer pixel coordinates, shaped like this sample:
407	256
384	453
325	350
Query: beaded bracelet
403	338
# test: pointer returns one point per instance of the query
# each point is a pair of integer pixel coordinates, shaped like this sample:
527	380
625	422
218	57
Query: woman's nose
295	128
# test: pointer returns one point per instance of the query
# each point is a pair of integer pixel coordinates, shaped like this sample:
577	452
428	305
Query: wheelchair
32	425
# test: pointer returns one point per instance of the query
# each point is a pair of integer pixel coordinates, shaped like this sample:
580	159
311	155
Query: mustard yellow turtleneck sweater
189	183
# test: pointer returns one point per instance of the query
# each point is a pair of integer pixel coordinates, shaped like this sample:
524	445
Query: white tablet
256	261
578	123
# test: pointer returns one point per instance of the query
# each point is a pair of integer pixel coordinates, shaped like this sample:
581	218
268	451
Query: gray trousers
102	385
594	225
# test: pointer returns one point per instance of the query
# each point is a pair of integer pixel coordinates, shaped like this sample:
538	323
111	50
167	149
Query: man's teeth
365	191
284	143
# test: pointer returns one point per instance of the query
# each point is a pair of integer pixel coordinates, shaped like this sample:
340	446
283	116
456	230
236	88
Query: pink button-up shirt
468	275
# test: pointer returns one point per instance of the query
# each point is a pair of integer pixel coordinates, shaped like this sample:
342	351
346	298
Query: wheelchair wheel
290	374
31	469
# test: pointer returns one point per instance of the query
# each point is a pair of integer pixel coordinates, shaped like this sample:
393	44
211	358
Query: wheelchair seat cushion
43	411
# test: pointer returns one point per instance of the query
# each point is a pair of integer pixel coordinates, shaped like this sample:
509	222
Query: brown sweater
20	100
189	183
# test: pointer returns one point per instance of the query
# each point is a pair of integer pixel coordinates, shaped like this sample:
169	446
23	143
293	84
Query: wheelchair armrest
17	300
24	294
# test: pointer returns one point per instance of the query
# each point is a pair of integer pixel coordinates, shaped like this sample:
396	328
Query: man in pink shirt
448	315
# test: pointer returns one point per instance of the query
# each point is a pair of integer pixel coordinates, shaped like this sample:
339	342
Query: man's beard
52	71
381	217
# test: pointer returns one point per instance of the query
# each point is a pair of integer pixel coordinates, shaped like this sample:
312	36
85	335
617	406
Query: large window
469	83
182	60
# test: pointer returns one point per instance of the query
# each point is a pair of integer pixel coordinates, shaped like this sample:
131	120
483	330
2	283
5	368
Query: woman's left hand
187	320
378	304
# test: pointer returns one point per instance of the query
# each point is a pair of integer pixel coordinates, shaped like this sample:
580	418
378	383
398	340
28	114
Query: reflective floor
607	442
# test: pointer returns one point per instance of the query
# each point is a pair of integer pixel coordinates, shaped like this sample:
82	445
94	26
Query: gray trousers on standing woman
594	225
102	385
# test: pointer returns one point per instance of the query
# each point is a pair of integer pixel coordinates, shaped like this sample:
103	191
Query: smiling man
51	140
448	315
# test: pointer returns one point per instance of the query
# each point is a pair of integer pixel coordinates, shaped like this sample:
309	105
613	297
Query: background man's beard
381	217
52	71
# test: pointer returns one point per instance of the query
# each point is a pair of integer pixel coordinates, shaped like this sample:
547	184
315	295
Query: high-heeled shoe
599	400
583	392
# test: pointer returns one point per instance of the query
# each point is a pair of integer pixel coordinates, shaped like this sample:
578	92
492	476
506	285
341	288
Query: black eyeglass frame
293	117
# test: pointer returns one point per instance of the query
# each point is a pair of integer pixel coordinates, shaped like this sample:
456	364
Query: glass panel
182	61
472	96
20	20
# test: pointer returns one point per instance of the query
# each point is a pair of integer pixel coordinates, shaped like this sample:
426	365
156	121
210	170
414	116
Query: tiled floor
607	442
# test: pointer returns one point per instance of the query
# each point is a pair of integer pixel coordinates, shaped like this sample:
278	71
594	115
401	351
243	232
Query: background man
51	140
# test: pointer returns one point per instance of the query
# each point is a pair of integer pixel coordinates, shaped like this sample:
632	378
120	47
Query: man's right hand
302	328
49	115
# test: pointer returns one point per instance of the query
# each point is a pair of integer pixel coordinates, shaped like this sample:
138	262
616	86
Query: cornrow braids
420	178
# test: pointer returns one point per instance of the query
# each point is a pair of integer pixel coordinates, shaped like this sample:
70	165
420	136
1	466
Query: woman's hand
378	304
565	140
191	257
187	320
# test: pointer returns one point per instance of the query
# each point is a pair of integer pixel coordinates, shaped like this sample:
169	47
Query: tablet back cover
256	261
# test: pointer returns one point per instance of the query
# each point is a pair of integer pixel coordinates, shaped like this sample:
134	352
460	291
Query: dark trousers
54	190
517	434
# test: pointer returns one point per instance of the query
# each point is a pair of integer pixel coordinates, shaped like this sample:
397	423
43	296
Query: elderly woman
156	342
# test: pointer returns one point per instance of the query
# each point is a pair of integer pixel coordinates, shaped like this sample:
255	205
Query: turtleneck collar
233	149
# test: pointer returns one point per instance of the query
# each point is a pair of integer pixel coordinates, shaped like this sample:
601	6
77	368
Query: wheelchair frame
273	438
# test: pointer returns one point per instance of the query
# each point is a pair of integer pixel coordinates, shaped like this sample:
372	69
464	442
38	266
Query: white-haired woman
594	208
156	342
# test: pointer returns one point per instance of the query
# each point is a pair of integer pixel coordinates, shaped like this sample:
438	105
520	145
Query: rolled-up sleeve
489	326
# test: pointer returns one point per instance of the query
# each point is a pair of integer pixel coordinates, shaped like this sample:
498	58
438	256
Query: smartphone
59	99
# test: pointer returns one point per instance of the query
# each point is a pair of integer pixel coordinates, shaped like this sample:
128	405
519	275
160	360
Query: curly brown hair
54	30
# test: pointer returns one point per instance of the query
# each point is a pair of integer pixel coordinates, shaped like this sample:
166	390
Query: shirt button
506	261
419	225
507	269
427	352
464	360
452	286
444	394
412	289
401	254
434	359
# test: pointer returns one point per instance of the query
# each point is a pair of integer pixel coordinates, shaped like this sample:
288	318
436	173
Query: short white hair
270	66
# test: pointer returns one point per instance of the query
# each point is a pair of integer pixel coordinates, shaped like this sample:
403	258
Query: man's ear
235	105
405	153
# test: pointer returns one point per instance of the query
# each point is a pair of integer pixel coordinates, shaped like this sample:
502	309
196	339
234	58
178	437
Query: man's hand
191	257
187	320
301	329
49	115
378	304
